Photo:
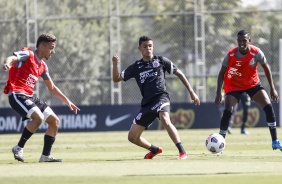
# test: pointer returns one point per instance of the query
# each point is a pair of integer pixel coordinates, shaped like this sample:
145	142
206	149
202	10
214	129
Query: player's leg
231	121
246	102
141	122
49	138
230	102
134	136
27	109
262	98
173	133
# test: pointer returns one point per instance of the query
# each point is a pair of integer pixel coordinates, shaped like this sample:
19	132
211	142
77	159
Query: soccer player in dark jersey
149	73
239	74
25	67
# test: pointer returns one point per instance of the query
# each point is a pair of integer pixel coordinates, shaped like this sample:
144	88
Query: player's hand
6	67
115	60
218	99
274	96
195	99
73	107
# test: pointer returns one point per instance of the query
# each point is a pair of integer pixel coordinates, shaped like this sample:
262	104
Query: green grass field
107	157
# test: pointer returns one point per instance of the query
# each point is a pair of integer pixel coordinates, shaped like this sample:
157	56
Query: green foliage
81	65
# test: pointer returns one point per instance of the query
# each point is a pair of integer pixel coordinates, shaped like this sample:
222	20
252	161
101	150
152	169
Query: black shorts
245	100
251	92
149	112
25	105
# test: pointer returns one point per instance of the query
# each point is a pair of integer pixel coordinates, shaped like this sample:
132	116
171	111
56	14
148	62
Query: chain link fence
192	33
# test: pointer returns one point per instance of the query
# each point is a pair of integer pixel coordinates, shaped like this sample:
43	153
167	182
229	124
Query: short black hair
243	32
143	39
45	38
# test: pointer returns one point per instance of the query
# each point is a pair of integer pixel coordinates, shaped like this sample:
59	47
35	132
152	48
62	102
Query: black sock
273	133
48	142
224	122
245	117
154	149
180	147
25	136
271	121
243	126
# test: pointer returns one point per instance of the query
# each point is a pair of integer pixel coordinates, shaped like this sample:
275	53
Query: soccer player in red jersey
149	73
25	67
239	74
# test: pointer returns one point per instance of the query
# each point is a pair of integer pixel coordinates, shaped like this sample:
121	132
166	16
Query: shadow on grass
196	174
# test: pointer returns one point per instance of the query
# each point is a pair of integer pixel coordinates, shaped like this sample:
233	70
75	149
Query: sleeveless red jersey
241	73
24	78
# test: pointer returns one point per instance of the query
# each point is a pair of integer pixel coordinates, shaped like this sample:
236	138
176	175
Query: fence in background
194	34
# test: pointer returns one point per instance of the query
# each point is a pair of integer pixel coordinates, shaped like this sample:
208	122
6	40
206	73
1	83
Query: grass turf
107	157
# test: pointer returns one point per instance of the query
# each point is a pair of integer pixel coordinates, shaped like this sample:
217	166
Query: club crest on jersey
156	63
252	62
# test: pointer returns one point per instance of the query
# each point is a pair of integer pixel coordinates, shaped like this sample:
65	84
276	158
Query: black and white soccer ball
215	143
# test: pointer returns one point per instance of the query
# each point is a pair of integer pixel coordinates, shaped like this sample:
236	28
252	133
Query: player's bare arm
9	62
273	93
194	97
218	98
116	74
57	93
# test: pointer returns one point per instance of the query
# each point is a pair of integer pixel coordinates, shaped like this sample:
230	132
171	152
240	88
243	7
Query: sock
245	117
271	121
154	149
272	129
25	136
48	142
224	122
243	126
180	147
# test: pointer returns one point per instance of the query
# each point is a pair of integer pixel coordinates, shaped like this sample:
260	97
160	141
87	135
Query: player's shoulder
162	59
254	49
137	62
27	50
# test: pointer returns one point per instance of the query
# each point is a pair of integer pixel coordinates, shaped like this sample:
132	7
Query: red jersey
23	79
241	73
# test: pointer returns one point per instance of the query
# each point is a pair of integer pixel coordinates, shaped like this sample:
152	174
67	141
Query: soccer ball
215	143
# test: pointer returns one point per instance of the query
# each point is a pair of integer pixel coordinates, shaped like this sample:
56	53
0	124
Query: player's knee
53	121
56	122
165	120
132	138
269	113
166	123
37	118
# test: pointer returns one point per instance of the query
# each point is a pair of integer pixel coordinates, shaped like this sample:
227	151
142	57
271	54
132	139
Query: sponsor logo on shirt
238	63
31	80
144	75
233	71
